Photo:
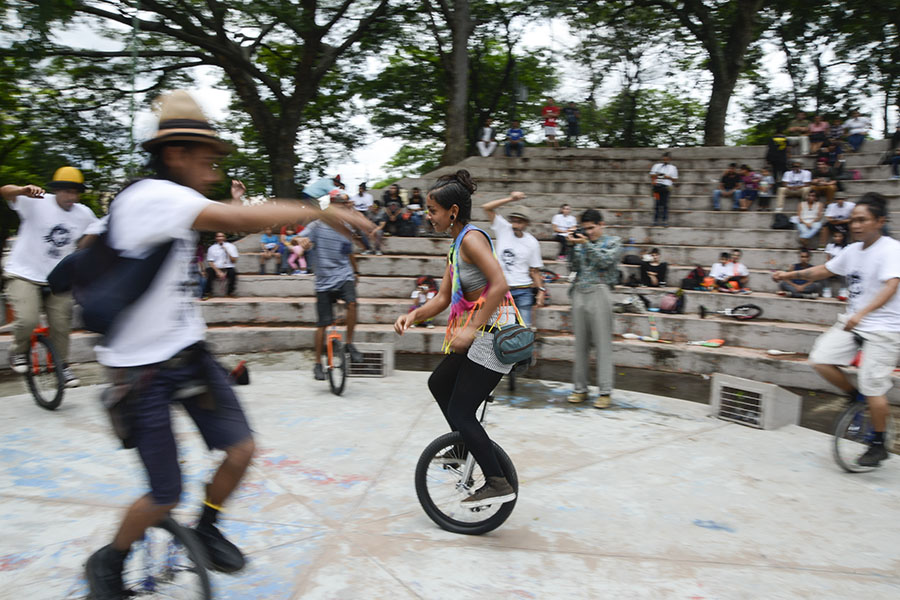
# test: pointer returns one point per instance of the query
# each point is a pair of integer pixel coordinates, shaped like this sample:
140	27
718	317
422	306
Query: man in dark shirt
571	115
800	288
777	155
515	139
729	187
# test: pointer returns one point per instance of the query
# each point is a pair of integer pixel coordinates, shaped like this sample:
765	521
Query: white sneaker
70	378
18	363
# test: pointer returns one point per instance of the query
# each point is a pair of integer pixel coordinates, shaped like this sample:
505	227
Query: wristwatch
542	289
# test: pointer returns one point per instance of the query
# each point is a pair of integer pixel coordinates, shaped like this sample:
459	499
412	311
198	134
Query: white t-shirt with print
564	222
218	255
834	211
517	254
866	271
167	317
47	234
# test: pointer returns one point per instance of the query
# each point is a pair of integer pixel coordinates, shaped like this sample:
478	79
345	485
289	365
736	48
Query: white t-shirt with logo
167	317
218	255
518	255
362	202
46	235
564	222
866	271
840	213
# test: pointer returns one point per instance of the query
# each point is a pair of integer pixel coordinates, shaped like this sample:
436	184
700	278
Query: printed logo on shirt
58	237
509	257
854	284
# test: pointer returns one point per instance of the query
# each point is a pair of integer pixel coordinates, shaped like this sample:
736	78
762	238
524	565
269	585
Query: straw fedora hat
182	120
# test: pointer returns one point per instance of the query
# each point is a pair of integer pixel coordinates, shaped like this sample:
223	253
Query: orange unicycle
338	360
45	371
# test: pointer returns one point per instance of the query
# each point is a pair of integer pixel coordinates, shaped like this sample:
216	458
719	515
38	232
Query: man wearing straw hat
51	225
156	345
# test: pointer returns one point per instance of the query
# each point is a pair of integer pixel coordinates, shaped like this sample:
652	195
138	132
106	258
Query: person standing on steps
594	259
475	290
663	176
519	253
51	225
156	346
871	266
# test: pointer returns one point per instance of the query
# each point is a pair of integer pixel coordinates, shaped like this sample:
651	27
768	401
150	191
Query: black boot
104	573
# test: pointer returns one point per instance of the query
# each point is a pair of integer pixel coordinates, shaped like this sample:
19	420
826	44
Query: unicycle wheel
337	372
169	562
745	312
440	487
45	376
852	434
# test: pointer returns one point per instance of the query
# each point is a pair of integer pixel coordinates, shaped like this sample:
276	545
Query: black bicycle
168	562
447	473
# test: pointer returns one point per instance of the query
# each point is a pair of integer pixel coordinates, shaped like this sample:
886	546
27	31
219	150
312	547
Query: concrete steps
676	357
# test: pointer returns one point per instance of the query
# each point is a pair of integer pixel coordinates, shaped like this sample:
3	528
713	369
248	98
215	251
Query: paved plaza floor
652	498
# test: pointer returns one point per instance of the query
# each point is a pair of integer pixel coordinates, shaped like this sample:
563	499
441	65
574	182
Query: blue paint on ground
712	525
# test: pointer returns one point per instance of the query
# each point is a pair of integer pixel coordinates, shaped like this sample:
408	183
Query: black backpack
782	221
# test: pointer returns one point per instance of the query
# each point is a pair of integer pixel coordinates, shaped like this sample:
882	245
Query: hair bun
465	179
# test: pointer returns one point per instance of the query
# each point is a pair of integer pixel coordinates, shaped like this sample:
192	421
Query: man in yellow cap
156	347
51	225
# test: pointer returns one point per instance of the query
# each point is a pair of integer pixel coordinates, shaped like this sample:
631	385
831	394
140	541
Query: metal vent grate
740	406
372	365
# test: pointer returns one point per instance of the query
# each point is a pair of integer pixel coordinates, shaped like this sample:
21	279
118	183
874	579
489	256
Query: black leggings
459	386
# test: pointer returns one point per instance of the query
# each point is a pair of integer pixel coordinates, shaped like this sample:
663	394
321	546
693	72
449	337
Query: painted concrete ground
650	499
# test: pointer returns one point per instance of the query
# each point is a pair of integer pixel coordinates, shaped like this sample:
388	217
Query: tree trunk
717	110
282	160
461	28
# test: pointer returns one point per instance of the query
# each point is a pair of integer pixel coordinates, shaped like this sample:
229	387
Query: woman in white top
809	213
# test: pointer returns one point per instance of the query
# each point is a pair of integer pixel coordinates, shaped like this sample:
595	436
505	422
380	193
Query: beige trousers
783	191
27	300
592	322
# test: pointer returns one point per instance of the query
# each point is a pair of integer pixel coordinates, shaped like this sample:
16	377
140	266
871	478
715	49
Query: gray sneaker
355	355
496	491
18	363
319	372
70	378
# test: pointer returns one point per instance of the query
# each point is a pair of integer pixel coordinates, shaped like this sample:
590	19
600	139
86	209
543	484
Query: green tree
665	119
278	58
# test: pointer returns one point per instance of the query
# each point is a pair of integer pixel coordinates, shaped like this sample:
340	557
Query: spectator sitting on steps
894	161
750	187
798	132
818	134
654	271
392	196
794	183
663	176
824	180
809	218
268	243
730	274
563	224
221	259
766	189
857	128
729	187
487	138
837	218
515	140
800	288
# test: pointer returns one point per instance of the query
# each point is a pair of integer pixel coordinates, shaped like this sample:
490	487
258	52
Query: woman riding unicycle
479	301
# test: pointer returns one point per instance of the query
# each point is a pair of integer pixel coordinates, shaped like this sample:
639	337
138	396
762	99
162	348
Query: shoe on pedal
496	491
355	355
319	372
223	555
104	574
18	363
71	380
873	456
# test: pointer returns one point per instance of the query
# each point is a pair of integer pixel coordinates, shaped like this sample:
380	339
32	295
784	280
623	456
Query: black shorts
222	425
325	299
